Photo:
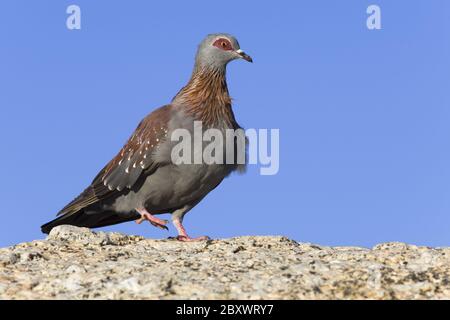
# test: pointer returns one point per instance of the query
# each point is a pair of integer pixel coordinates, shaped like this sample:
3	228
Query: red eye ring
223	44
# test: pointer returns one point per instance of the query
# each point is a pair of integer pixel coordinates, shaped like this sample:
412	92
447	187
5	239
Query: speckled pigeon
142	180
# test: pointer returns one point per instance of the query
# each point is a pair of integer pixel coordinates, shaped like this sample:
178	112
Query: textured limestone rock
75	263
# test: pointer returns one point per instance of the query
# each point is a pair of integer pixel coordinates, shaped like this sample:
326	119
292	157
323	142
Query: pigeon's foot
182	234
145	216
189	239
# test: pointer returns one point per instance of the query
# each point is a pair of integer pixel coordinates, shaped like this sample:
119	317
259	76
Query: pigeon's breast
179	185
173	186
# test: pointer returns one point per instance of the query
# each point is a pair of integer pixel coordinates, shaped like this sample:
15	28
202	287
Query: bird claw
159	223
189	239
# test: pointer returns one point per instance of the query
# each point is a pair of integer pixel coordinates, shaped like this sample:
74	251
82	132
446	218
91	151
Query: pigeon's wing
137	154
133	160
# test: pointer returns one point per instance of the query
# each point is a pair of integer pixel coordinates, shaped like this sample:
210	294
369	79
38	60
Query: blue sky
363	115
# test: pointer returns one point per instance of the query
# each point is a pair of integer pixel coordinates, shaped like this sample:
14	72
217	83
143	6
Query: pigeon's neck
206	96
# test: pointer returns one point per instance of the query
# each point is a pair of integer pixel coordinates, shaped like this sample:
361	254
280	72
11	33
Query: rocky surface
75	263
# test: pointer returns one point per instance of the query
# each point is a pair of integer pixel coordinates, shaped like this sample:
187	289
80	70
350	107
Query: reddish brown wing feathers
136	156
127	166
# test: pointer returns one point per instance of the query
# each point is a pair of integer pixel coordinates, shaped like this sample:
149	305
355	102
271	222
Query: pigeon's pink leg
182	235
145	215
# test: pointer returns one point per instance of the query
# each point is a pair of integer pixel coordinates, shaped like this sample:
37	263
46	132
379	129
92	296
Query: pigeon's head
216	50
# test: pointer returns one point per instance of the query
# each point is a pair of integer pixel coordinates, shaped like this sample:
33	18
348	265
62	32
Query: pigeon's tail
89	219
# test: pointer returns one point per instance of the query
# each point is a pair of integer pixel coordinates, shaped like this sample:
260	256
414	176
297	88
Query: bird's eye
223	44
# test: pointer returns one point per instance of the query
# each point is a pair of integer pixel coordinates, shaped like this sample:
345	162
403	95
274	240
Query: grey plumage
142	181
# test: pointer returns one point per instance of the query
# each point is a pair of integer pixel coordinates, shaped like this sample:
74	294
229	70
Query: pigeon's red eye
223	44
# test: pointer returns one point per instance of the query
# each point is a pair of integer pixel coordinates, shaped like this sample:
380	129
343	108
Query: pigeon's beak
244	56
